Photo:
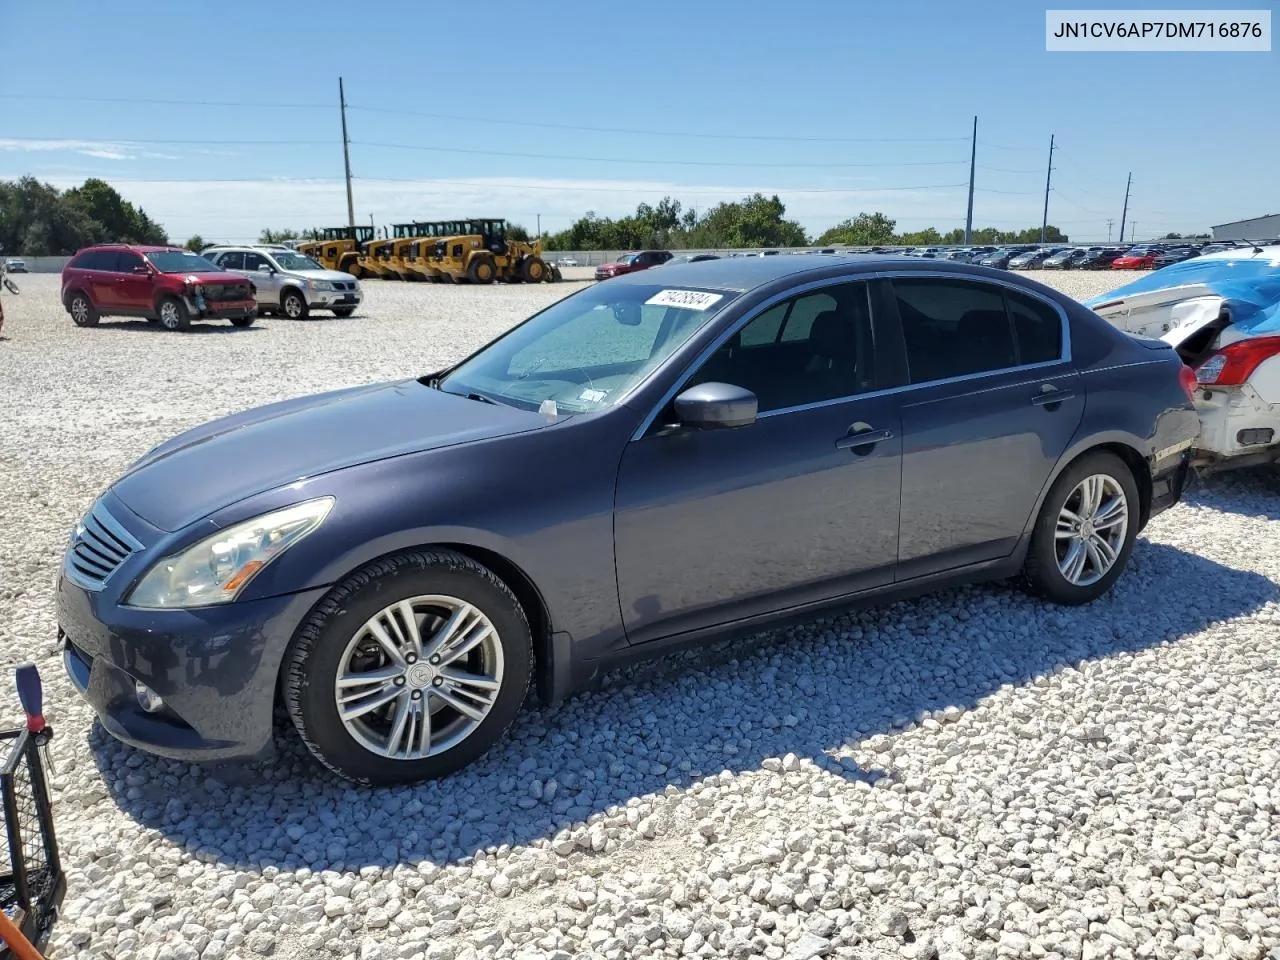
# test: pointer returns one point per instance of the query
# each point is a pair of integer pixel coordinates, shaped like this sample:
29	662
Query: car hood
329	275
208	277
220	463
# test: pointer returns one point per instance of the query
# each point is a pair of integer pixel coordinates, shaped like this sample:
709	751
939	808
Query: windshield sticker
685	299
592	396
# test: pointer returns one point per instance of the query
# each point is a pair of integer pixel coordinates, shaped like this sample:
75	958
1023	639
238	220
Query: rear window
95	260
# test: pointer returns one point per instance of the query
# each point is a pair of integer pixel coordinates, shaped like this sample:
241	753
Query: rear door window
125	261
252	261
953	328
232	260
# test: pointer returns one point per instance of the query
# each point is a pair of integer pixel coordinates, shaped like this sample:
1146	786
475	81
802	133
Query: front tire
173	315
482	270
243	321
83	313
343	312
1085	532
294	305
410	669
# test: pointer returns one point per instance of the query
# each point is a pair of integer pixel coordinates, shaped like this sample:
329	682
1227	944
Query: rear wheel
83	313
409	669
173	315
343	311
294	305
1085	532
481	270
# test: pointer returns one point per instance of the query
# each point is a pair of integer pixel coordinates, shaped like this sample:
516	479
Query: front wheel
409	669
294	305
173	315
1085	532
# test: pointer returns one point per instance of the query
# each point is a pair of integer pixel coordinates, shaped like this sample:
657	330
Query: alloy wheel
169	316
1090	530
419	677
79	310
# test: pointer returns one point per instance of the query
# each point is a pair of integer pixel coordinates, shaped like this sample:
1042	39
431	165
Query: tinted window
829	357
125	262
952	328
252	261
95	260
1037	327
234	260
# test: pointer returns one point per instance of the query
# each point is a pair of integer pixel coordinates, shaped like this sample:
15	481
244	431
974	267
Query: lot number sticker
685	299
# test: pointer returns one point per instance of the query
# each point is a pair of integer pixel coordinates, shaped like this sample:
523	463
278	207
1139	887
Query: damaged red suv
166	285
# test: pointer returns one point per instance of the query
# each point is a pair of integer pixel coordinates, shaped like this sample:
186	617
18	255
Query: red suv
631	262
166	285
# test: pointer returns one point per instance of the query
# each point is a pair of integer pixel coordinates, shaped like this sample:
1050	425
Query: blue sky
838	107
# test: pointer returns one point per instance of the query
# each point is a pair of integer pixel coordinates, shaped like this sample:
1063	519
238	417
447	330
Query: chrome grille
98	546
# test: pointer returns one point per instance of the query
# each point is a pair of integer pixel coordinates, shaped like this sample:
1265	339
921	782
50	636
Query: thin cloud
98	149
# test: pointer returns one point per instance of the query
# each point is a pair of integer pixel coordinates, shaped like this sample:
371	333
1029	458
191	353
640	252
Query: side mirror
143	269
710	405
266	268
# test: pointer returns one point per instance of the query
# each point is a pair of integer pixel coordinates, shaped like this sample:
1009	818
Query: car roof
136	247
741	274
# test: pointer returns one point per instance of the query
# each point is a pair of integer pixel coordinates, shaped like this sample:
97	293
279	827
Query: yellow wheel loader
339	248
484	253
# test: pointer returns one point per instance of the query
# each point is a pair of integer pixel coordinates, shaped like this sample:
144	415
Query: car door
263	274
991	404
132	283
713	526
101	277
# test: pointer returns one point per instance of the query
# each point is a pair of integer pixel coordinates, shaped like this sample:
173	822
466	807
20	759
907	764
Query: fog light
1248	438
148	699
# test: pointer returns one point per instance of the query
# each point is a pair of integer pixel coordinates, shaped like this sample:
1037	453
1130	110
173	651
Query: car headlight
217	568
319	284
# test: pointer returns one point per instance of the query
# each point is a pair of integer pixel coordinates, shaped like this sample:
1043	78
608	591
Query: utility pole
1110	221
1133	231
1124	213
539	225
973	156
1044	223
346	154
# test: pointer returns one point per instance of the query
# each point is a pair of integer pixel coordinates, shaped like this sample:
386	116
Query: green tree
864	230
516	232
121	220
195	243
268	235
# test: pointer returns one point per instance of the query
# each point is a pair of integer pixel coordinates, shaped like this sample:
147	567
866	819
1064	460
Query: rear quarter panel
1132	396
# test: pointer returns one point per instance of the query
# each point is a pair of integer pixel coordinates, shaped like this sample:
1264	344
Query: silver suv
289	282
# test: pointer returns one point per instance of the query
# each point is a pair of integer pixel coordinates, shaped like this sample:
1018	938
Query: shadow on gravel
1251	492
199	327
807	691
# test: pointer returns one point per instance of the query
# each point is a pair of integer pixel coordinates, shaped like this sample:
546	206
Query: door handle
1050	396
863	438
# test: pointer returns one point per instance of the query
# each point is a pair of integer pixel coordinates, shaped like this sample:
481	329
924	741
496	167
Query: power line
659	162
540	124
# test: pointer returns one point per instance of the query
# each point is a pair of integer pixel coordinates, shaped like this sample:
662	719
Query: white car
15	265
1221	312
567	262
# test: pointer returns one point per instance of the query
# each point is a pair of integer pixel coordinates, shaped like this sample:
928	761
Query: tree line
40	220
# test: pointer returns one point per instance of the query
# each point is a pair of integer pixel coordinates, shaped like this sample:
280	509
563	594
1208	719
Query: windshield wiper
481	397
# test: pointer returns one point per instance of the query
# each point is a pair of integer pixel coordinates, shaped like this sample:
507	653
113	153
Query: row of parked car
1147	256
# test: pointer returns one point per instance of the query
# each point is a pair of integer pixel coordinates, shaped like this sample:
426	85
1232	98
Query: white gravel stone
1004	777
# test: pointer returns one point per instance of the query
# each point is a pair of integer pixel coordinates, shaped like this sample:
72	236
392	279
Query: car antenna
1257	248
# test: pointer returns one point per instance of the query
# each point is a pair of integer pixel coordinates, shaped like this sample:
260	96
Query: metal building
1258	228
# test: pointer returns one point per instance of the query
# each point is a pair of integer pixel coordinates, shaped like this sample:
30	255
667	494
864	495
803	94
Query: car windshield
589	350
295	261
181	261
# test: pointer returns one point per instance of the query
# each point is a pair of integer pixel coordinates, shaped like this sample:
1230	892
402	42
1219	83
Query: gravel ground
972	774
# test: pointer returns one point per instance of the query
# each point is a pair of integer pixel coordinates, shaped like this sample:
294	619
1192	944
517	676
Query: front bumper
198	306
215	668
334	298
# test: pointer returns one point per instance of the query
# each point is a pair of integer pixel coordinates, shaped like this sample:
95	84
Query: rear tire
532	270
336	644
173	314
294	305
83	313
1085	531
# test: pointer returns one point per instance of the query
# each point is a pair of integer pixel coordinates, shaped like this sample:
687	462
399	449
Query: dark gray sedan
658	459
